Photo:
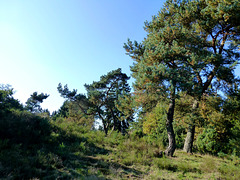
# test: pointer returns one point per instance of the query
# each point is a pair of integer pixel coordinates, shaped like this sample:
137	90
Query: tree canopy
190	46
103	100
33	103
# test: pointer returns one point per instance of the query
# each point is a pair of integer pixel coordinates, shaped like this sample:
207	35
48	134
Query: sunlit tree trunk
188	145
189	139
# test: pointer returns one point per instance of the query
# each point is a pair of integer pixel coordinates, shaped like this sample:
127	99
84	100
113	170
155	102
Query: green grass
74	152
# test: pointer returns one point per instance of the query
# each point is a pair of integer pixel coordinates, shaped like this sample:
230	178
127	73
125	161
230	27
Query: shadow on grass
57	155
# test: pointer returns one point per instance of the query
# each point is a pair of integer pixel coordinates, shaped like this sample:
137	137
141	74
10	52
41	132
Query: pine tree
216	54
33	103
105	96
105	100
190	46
160	64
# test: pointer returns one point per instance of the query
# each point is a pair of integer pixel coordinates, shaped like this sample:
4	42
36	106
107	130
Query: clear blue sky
46	42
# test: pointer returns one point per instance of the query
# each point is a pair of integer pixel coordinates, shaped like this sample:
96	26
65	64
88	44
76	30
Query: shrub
24	127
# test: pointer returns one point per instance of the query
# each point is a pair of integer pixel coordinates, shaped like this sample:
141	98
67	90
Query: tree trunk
116	122
171	136
188	145
105	127
189	139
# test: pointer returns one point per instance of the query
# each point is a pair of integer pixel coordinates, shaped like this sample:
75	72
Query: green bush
24	127
207	141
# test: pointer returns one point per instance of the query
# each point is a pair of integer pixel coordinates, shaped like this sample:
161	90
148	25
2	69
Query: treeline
185	94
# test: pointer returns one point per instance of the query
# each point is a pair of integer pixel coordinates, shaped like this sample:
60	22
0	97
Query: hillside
180	118
71	151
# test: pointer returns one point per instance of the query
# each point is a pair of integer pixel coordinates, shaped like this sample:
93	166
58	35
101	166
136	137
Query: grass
73	152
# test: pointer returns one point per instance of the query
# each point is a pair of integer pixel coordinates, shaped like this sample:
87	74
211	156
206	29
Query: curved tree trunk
188	145
171	136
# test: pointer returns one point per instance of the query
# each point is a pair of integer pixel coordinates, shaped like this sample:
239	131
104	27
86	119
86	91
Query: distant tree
79	100
62	112
6	98
70	111
33	103
103	100
104	96
126	105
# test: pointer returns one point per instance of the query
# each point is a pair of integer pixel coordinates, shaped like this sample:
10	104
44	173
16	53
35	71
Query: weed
208	165
229	171
165	163
187	167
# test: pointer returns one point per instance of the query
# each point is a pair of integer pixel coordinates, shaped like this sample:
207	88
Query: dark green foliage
6	99
62	112
161	62
190	46
105	95
63	150
207	141
231	109
105	101
23	127
33	103
73	99
17	125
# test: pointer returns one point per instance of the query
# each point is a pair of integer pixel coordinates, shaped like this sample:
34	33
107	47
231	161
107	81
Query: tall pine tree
190	45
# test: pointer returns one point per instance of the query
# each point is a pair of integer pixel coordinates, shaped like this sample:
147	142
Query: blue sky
46	42
43	43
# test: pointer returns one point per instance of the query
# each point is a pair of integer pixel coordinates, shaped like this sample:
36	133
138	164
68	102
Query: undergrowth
72	151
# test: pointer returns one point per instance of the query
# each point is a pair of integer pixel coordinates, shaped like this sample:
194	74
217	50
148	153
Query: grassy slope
72	152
